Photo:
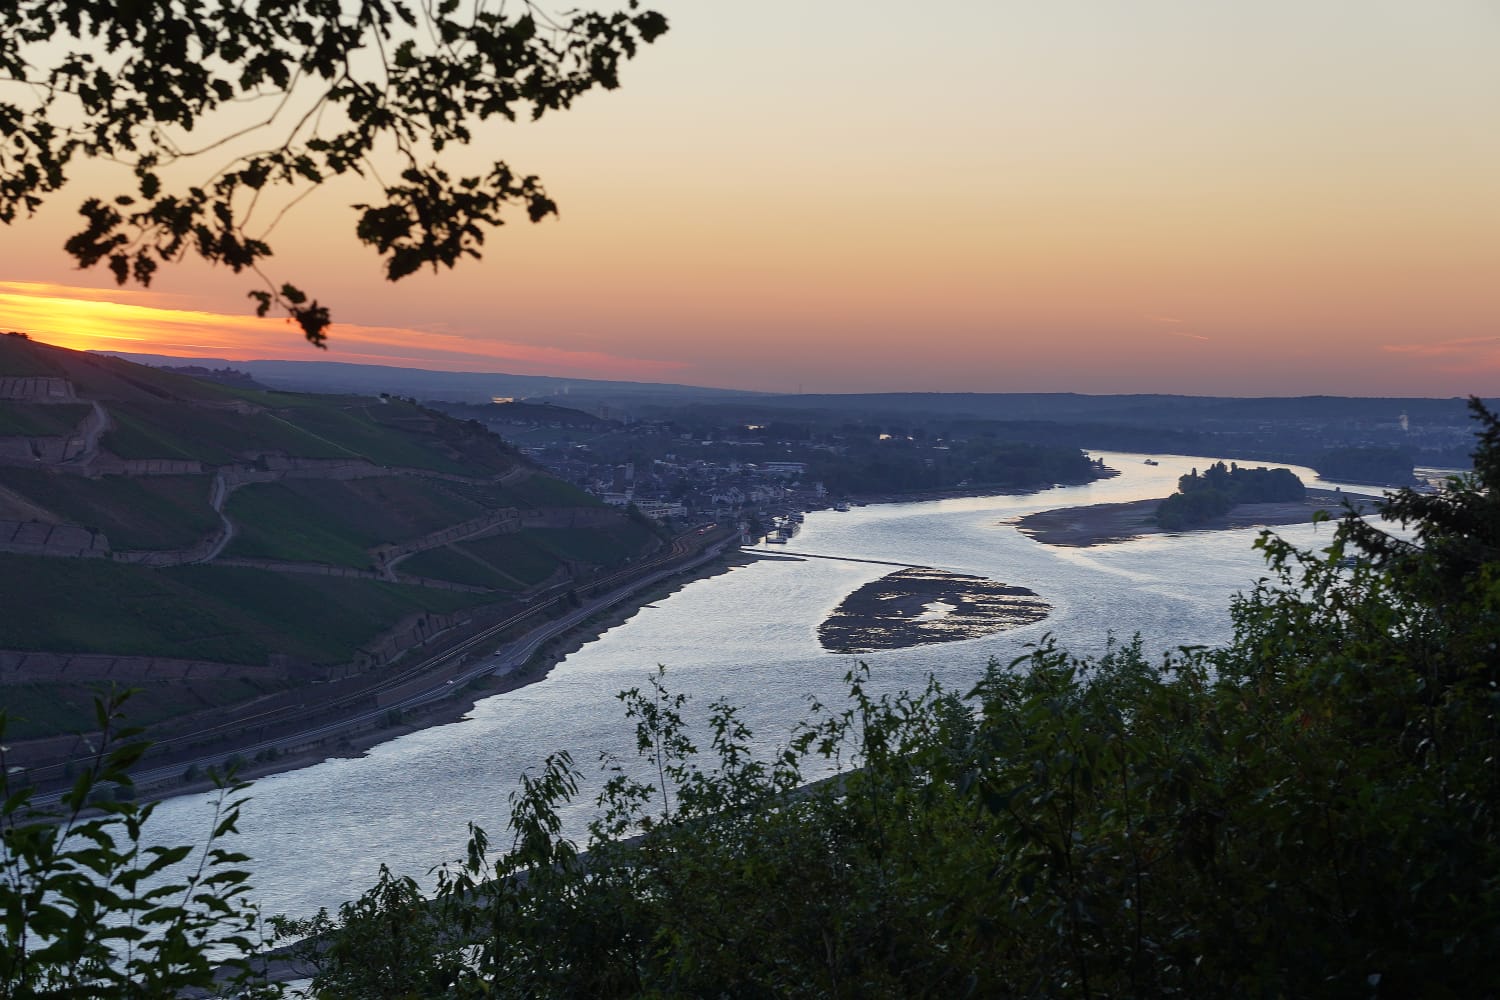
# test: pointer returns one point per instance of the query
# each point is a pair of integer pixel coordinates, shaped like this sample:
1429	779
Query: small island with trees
1221	488
1223	496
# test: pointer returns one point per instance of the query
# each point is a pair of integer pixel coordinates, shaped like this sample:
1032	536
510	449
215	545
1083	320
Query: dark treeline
1293	431
900	465
1366	465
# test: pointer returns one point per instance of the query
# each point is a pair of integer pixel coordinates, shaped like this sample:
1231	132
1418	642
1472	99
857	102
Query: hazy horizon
186	360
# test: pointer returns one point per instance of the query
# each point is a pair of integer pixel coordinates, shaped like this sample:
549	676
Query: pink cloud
1480	348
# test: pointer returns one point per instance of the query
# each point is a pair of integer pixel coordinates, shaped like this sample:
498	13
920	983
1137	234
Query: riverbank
966	492
1105	523
457	706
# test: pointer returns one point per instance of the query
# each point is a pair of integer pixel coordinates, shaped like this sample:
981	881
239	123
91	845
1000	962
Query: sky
1278	197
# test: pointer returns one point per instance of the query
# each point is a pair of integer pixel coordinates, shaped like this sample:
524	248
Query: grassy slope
600	546
156	429
147	512
530	556
23	358
369	429
545	491
224	614
457	564
336	521
40	420
36	710
236	615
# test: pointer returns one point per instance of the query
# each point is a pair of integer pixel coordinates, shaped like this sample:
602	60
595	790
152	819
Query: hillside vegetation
147	514
1308	811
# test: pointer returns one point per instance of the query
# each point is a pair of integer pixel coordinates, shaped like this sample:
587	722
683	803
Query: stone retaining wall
321	468
571	517
23	668
502	520
409	633
195	553
19	450
105	464
37	389
51	449
39	538
320	569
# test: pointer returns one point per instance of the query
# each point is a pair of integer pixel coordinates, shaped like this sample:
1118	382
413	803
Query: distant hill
226	376
464	387
1300	430
1294	429
1150	409
501	416
215	545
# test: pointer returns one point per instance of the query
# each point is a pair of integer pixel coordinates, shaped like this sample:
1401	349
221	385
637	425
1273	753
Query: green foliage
898	465
603	546
93	909
337	521
398	434
1186	510
18	356
325	619
460	565
225	614
548	491
158	430
50	708
282	521
134	512
384	946
519	556
117	81
52	420
301	426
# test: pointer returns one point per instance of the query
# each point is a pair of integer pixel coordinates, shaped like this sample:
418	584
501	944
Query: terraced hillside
216	546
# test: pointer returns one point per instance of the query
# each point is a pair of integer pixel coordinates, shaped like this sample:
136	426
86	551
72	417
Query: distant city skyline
1274	198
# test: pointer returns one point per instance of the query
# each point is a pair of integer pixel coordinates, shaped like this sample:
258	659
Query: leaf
651	25
314	321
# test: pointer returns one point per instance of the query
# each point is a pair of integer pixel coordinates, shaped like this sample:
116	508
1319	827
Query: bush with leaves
92	909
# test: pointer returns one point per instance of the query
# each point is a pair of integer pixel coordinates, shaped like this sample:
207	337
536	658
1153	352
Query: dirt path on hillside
218	494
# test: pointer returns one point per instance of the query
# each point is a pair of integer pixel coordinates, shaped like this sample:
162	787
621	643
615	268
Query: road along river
318	835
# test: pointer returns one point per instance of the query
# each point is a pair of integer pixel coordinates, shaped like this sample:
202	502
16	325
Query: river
318	835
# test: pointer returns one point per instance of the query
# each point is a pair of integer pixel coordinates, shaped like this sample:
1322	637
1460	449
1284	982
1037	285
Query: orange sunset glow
89	320
1256	199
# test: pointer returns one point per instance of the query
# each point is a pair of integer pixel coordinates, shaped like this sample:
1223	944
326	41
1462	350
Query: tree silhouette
285	94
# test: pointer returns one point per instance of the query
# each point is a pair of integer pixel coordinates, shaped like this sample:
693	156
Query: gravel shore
1101	524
